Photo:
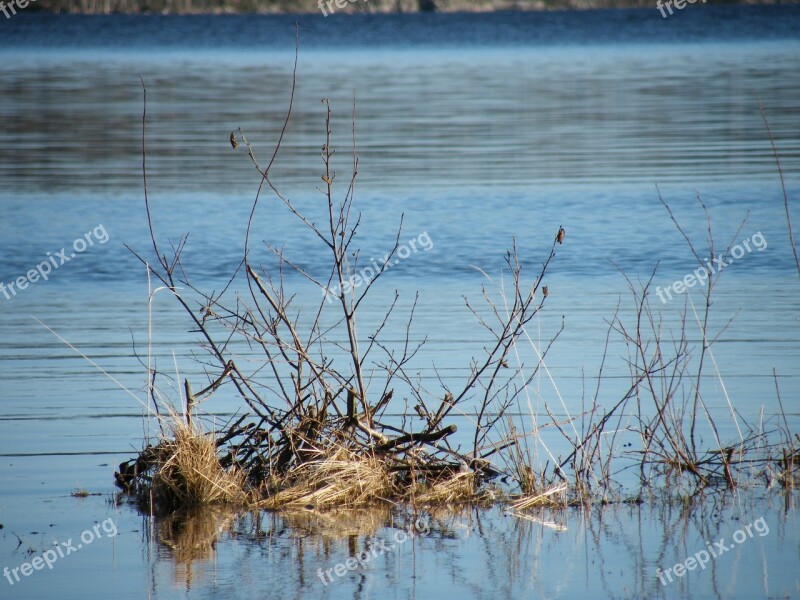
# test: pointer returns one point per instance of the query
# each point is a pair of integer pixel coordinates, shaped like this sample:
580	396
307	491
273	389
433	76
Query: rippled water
478	128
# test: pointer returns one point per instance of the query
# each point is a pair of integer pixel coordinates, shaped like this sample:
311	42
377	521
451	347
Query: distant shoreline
345	7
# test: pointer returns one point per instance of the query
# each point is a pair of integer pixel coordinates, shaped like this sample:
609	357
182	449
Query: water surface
478	129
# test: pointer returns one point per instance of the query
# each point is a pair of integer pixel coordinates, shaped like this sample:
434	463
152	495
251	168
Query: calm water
478	129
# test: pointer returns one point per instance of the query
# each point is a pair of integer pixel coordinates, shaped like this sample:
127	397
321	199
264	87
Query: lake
478	129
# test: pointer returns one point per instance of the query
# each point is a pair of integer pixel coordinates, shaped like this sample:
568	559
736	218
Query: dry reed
555	496
342	478
461	487
187	471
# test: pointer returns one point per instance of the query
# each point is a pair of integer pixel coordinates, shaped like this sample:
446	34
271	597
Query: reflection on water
191	535
600	552
188	541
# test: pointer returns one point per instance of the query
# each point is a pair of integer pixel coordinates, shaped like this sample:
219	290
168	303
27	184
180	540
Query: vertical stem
338	247
189	401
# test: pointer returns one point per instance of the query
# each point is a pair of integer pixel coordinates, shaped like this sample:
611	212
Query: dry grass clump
187	472
317	431
343	478
461	487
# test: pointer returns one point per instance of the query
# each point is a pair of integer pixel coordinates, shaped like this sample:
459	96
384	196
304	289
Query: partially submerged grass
343	478
186	471
554	497
461	487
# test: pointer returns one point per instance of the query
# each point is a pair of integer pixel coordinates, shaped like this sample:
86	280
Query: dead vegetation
317	431
187	471
343	477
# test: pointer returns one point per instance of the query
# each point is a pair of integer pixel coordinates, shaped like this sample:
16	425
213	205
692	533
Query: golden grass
187	471
343	478
461	487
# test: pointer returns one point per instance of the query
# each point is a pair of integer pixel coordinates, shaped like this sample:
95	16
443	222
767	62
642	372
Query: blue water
477	129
